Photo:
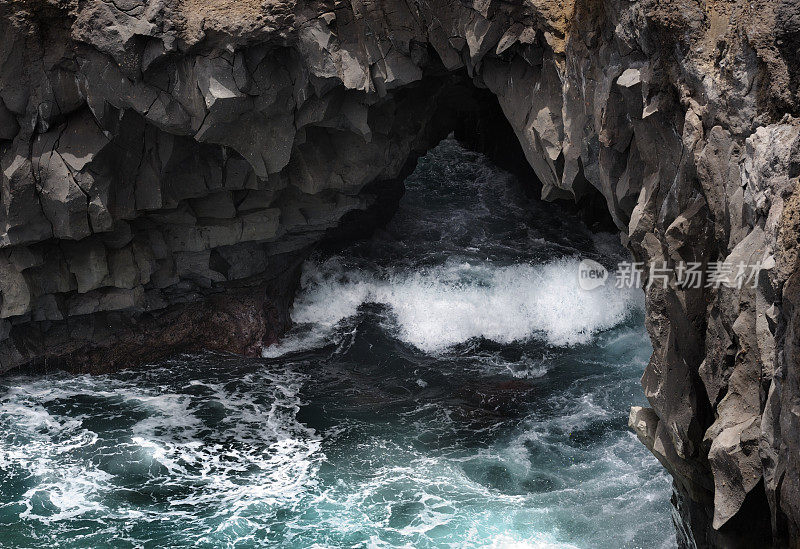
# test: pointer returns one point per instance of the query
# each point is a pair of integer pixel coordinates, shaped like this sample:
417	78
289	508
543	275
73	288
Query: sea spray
449	304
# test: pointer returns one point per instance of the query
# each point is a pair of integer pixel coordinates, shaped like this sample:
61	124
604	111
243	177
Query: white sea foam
259	456
540	541
453	303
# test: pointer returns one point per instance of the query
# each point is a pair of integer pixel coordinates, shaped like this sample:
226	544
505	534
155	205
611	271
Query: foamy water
447	385
453	303
87	448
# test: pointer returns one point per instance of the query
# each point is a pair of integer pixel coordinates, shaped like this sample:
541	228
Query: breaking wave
446	305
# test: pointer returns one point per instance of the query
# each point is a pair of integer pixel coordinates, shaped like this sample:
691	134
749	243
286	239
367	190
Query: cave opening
453	334
444	376
450	300
472	115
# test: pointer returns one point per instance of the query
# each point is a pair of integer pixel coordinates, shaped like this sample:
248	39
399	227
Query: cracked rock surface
168	164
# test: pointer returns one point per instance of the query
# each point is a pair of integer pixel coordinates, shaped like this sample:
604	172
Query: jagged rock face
168	164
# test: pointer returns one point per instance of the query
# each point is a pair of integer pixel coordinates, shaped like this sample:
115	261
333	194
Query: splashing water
455	302
446	385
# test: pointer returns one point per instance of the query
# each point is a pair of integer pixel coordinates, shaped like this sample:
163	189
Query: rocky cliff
168	164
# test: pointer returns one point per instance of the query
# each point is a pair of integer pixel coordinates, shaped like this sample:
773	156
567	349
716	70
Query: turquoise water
447	385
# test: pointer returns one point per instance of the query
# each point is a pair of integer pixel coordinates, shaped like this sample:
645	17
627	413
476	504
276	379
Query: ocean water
447	384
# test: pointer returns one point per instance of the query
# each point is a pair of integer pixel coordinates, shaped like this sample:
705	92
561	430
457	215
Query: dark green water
447	385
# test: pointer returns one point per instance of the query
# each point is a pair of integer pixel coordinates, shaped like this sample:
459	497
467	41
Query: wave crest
446	305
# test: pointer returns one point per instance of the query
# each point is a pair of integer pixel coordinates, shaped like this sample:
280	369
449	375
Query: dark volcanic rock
166	165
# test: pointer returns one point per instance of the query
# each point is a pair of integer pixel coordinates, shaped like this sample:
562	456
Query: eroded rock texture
167	165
